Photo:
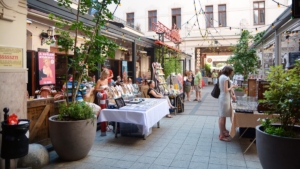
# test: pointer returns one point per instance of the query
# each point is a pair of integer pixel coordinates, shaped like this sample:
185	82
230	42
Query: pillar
134	62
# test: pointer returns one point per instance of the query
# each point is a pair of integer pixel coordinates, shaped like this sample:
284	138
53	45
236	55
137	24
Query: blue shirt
81	92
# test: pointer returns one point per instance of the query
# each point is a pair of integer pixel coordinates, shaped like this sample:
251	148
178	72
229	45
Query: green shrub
75	111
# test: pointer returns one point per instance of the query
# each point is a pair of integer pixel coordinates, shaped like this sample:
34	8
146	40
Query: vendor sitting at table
154	94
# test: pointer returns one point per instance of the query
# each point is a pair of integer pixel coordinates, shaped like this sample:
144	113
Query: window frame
130	19
258	15
176	16
153	18
221	12
209	20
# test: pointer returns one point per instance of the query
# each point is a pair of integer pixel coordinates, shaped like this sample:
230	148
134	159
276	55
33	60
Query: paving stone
198	165
123	164
146	159
180	164
139	165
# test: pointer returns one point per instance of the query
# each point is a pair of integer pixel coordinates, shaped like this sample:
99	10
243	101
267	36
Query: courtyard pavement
188	140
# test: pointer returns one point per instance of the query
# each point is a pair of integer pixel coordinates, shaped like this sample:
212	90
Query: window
176	18
152	18
222	15
259	13
130	19
209	13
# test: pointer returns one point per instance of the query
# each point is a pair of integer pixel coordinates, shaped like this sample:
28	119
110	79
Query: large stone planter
277	152
72	140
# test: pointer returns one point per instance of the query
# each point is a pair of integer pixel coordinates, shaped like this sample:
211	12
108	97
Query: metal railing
117	19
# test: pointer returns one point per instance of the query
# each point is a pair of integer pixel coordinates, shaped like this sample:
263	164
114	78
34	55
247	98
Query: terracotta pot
276	152
72	140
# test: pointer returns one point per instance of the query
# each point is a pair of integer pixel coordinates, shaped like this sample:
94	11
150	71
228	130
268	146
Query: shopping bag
203	83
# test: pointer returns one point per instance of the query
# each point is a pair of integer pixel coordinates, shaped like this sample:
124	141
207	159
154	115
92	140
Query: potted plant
278	145
239	91
72	132
244	60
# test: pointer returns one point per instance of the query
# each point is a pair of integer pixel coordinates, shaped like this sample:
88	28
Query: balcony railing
136	28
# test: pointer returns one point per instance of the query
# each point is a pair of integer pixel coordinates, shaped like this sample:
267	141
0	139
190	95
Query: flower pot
276	152
72	140
239	93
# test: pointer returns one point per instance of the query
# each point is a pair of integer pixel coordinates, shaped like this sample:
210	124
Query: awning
168	46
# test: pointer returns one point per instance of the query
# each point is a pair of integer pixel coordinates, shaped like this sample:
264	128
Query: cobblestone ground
188	140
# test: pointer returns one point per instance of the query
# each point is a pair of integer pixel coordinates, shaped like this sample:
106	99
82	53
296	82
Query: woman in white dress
225	109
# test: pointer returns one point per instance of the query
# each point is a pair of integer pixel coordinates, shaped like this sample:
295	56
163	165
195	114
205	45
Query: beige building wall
13	80
13	34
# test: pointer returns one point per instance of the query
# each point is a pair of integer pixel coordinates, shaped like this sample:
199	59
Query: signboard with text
46	68
11	57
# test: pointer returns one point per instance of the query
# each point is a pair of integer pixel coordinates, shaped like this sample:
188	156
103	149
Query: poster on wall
46	68
124	69
11	57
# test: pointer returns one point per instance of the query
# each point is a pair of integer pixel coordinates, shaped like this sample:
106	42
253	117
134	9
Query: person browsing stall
154	94
225	108
110	76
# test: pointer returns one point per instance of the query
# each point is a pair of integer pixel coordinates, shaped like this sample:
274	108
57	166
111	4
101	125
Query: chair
120	102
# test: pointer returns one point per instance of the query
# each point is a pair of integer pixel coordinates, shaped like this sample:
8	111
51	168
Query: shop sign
11	57
209	60
124	69
46	68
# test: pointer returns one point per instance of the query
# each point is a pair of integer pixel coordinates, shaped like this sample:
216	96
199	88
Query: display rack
159	79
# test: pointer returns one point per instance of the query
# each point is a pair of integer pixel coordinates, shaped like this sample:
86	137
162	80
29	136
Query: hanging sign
11	57
46	68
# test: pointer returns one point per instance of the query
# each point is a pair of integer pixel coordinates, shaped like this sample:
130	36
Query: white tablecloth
146	118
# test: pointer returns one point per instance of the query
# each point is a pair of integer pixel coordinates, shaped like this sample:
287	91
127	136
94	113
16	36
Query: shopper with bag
225	109
188	85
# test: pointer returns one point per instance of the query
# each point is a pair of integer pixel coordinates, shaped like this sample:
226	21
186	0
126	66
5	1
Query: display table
141	114
247	120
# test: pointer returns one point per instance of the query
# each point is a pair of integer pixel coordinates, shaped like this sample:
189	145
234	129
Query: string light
256	29
229	28
278	5
272	25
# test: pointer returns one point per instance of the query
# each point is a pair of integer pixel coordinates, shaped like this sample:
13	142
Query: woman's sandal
168	116
224	138
226	133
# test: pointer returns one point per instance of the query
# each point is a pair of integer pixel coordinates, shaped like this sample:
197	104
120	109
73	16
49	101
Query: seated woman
154	94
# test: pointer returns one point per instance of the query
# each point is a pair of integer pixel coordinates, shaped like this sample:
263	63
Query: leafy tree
96	48
171	63
258	36
244	60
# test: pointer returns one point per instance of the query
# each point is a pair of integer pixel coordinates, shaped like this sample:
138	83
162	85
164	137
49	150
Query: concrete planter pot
276	152
239	93
72	140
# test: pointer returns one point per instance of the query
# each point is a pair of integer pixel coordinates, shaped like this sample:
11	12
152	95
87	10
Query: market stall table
147	113
247	120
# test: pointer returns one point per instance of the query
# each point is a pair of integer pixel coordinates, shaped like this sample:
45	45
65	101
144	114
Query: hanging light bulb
272	25
278	5
242	30
297	32
229	28
256	29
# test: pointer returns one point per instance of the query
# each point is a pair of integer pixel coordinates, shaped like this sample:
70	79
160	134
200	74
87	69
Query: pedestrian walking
198	85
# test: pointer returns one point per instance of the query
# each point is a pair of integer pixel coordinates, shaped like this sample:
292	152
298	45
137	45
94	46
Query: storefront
134	50
280	43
